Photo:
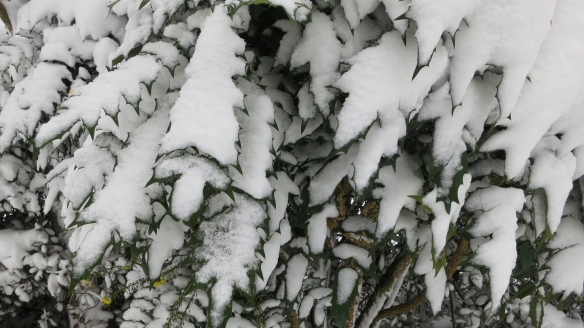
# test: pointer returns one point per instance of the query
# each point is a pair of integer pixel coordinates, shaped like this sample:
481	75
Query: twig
385	285
459	256
5	18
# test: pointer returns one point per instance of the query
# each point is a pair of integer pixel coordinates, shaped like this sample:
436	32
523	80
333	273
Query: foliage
283	163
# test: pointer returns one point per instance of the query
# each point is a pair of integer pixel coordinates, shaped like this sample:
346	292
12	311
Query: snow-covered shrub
352	163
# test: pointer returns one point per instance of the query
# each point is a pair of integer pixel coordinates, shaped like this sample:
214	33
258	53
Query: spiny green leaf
525	290
143	3
117	60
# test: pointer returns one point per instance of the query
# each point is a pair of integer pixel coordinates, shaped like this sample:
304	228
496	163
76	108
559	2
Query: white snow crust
347	283
319	47
229	238
203	115
123	200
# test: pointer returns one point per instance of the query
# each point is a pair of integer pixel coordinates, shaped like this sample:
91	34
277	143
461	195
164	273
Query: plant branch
459	255
386	284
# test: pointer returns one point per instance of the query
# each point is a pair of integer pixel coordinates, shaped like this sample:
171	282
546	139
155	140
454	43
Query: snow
356	223
435	17
567	268
398	185
435	284
285	231
57	52
101	53
143	67
487	198
9	166
198	19
306	107
568	126
168	237
15	248
163	11
554	175
164	51
195	311
448	143
34	95
195	172
255	138
296	9
443	219
98	313
300	242
180	32
379	84
272	251
347	283
305	306
319	315
238	322
499	254
319	47
138	30
17	191
241	18
354	40
134	314
274	320
104	93
230	237
424	263
280	98
31	13
94	20
294	130
283	186
553	318
485	167
320	292
209	86
356	10
323	184
505	34
570	232
296	269
263	120
70	36
395	9
123	200
378	142
289	40
88	169
361	255
317	228
351	13
555	86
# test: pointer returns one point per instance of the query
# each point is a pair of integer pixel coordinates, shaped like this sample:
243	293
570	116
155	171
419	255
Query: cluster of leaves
270	164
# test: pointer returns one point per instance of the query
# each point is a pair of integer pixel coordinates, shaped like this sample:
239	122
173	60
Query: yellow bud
70	91
159	283
127	267
106	301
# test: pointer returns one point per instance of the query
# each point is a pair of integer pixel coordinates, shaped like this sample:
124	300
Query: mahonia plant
291	163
